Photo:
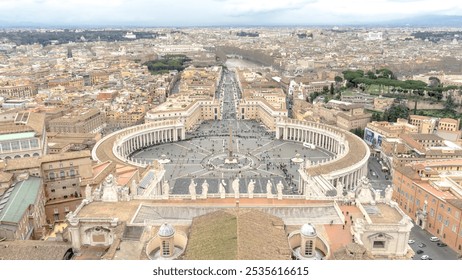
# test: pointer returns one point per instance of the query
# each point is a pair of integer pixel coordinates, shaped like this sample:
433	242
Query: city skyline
182	13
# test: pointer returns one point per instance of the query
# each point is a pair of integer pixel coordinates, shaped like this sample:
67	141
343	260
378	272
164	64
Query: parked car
421	245
441	244
419	252
434	239
411	241
425	257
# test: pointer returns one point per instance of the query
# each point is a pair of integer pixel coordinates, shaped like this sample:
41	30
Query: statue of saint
205	188
192	187
251	186
280	187
269	187
236	185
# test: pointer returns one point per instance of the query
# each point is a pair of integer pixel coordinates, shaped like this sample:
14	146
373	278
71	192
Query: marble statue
192	188
251	188
279	188
205	189
235	186
269	187
109	189
388	193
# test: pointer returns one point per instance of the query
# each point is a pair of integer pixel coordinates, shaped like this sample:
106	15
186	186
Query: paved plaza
259	157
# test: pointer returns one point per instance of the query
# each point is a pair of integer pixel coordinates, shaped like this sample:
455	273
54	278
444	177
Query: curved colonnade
345	169
118	146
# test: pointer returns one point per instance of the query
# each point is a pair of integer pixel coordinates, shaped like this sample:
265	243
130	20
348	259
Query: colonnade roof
357	151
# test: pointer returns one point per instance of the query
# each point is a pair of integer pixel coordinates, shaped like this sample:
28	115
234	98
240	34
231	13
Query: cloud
219	12
255	7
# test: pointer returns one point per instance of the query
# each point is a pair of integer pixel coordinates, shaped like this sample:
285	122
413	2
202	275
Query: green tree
351	75
376	116
338	79
450	104
395	112
371	75
385	73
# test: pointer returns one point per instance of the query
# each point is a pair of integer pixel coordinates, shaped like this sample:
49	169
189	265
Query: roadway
431	249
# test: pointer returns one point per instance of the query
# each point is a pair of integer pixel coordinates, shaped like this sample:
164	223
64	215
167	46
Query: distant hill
427	21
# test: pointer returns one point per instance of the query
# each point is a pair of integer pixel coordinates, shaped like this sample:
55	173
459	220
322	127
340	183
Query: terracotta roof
33	250
425	137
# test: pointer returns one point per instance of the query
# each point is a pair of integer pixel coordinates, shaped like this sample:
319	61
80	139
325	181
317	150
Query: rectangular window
417	202
25	144
446	222
449	209
432	212
165	248
457	214
440	218
379	244
454	228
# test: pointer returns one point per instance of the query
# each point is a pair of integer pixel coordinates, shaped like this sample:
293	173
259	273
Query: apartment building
430	192
79	121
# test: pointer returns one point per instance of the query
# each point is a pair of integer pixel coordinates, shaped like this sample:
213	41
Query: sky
217	12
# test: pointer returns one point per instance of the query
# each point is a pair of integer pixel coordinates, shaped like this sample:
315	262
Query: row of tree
385	77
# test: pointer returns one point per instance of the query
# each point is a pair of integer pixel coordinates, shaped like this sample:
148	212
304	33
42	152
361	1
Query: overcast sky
218	12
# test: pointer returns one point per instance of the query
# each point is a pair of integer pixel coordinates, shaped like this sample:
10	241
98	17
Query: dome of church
308	230
166	230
